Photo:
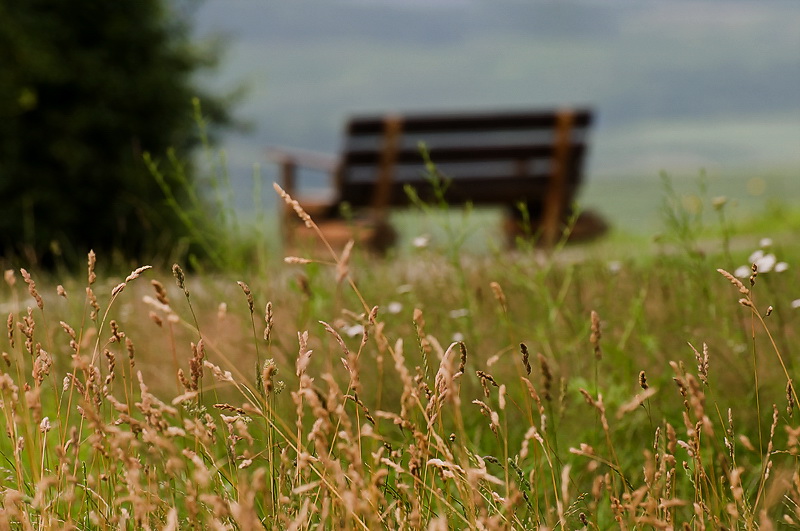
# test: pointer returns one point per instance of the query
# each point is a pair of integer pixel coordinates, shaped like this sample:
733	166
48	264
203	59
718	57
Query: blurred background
679	87
110	112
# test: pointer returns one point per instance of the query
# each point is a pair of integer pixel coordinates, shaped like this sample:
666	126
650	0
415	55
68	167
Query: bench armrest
289	159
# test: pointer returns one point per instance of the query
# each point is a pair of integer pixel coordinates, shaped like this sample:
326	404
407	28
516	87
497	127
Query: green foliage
88	88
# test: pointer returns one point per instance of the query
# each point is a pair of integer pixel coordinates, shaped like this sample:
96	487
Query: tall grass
507	391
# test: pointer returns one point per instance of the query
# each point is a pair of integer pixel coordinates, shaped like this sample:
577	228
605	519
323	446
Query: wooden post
392	134
555	197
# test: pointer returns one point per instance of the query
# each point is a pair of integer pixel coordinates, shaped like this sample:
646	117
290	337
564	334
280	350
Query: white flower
420	242
742	272
458	336
796	303
457	314
614	266
353	331
755	257
766	263
394	307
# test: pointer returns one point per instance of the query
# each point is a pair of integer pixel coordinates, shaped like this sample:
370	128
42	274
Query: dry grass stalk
735	281
391	467
634	403
525	358
32	288
268	319
486	379
10	329
91	263
248	294
547	376
295	206
92	303
462	360
499	295
702	363
595	336
161	292
343	265
180	278
424	344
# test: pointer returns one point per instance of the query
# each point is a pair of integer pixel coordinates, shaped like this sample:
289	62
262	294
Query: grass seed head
32	288
92	261
10	328
486	379
93	303
302	214
735	281
547	376
180	278
462	361
525	358
594	338
161	292
248	294
268	319
499	295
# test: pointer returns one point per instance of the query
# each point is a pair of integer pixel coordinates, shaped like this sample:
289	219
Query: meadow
639	385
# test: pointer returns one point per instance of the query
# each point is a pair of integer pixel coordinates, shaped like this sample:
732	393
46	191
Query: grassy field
627	383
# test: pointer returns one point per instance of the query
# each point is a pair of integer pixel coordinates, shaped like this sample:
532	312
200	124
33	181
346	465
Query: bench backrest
491	158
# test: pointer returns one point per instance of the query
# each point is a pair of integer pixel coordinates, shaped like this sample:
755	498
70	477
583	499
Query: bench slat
458	154
373	125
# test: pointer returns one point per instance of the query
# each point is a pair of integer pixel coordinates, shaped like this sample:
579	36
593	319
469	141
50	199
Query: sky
677	86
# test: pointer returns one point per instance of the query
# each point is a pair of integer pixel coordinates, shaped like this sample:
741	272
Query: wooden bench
500	158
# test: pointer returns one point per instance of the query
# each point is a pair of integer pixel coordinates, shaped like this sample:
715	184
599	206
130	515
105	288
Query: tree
88	87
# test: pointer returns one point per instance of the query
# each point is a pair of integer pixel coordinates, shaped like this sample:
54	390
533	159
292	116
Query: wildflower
796	303
354	330
421	242
394	307
742	272
614	266
458	336
764	262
